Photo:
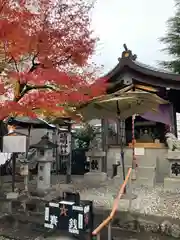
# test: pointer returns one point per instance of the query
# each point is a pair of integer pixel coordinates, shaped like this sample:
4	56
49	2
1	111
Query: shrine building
150	128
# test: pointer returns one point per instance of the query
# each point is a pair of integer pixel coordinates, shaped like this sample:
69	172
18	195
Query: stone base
173	155
149	182
144	176
128	195
95	177
172	184
41	192
12	195
118	180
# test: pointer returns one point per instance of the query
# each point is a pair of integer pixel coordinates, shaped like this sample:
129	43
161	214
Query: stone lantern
45	159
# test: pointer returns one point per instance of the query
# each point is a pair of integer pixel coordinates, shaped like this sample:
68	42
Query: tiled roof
152	68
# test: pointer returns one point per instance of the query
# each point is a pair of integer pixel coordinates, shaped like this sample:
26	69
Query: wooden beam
145	88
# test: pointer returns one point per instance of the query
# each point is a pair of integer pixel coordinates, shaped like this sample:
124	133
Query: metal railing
107	222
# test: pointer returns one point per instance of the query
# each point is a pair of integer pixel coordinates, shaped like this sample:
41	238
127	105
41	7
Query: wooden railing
107	221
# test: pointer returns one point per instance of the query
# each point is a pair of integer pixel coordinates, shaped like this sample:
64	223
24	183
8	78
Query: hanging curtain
162	115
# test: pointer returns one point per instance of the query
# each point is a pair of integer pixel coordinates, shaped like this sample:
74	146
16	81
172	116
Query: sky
138	23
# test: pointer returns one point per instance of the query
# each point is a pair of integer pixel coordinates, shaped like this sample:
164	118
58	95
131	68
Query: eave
141	73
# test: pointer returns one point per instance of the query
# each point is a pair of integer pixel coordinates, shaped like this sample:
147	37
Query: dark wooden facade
129	71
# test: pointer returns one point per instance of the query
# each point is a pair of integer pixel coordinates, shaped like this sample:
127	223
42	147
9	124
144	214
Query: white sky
137	23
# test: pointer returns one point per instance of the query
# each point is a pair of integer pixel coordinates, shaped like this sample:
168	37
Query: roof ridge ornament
127	53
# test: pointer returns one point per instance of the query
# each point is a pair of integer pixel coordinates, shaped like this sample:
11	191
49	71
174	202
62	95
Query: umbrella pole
122	132
122	128
133	150
123	166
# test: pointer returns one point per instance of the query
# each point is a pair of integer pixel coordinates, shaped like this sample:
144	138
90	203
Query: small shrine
149	126
44	159
149	129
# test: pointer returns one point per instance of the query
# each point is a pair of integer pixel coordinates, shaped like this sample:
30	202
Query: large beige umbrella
122	106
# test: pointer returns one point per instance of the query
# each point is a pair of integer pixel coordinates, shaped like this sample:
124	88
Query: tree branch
29	88
63	61
15	63
34	65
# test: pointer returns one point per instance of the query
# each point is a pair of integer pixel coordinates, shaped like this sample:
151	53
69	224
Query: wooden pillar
69	160
104	132
175	121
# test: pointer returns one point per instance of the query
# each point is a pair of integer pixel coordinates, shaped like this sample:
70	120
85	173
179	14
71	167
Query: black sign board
69	216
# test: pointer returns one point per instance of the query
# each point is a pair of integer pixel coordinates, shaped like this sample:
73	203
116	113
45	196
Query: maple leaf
44	50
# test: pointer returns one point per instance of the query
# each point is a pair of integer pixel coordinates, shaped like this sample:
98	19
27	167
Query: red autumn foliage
44	50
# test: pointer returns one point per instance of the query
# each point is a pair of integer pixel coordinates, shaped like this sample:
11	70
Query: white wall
178	124
36	134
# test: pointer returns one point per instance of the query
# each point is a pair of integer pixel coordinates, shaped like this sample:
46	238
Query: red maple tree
44	51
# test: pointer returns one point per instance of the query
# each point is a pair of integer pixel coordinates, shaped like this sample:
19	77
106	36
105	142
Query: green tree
84	136
172	41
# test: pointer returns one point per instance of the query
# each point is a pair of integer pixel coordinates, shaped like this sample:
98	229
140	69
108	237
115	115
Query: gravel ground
149	201
130	237
124	236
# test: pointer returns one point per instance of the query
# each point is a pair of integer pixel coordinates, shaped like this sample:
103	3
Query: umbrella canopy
121	105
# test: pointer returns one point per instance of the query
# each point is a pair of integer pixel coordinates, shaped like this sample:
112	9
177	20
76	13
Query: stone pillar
44	171
95	174
172	182
24	171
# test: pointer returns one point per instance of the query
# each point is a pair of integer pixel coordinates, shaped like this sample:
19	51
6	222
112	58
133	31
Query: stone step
145	175
172	184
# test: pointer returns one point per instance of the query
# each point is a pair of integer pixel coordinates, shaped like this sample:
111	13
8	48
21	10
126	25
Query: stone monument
95	156
172	182
45	159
